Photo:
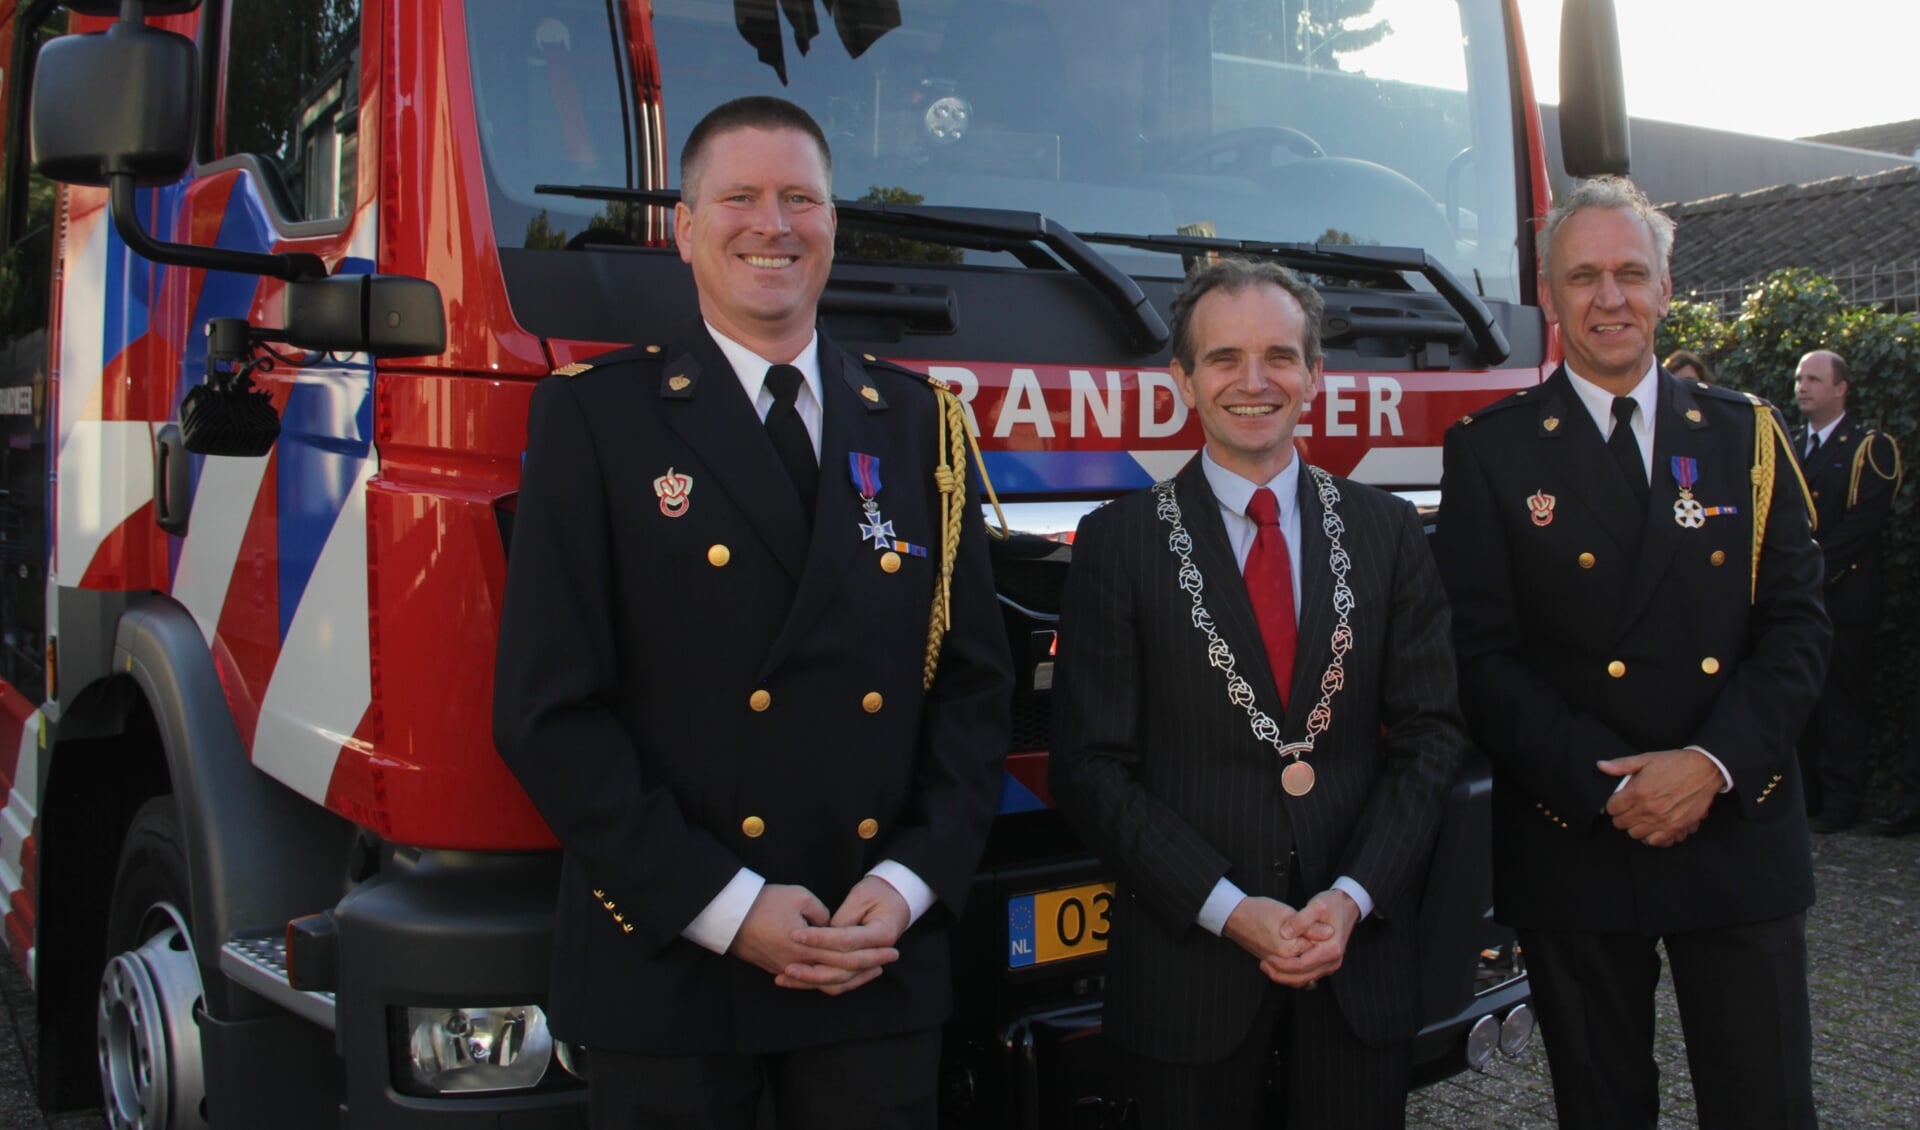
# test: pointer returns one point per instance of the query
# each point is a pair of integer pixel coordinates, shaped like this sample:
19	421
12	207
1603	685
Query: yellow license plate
1059	924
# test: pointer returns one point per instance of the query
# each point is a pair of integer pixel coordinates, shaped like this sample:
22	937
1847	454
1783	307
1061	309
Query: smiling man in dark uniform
1853	471
726	678
1636	602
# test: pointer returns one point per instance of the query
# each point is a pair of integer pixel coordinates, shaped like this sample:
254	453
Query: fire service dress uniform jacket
1853	478
1587	632
690	682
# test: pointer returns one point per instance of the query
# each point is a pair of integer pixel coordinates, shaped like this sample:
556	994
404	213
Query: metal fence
1893	287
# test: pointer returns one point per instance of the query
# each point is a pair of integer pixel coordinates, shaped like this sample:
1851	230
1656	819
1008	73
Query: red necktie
1269	576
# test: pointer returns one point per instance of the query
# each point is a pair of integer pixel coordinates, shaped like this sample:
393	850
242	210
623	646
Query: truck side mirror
379	315
1593	97
112	103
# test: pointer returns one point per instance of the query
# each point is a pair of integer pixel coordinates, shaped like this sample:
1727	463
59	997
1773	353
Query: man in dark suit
717	680
1637	608
1853	472
1229	746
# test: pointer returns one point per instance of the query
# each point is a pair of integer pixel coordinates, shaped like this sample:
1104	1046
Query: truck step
260	964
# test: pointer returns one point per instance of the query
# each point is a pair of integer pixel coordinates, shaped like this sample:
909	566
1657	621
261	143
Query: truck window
26	275
292	98
551	95
1251	119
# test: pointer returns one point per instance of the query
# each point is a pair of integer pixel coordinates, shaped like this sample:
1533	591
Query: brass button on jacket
889	562
754	827
760	700
872	702
869	828
719	555
1710	665
1586	561
1719	557
1617	669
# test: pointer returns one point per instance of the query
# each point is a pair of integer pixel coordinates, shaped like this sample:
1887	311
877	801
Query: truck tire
151	1076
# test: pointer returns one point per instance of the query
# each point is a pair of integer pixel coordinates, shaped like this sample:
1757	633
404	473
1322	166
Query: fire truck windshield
1370	122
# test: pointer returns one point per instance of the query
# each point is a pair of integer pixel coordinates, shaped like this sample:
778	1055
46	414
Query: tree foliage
1790	314
279	52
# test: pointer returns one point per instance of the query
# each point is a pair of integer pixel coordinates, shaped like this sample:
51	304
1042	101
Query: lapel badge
870	394
675	492
678	383
1540	506
1551	423
1693	415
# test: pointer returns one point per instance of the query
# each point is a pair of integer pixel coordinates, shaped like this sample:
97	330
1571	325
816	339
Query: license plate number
1055	925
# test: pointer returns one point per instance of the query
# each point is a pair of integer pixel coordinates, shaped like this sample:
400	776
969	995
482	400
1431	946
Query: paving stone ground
1864	961
1863	958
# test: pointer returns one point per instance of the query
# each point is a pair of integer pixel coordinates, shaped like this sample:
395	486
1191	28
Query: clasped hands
1667	796
789	933
1295	947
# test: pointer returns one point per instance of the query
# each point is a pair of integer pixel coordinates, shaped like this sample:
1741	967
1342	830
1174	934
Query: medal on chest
876	530
1688	514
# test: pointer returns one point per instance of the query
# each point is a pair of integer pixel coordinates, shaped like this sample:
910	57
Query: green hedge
1793	312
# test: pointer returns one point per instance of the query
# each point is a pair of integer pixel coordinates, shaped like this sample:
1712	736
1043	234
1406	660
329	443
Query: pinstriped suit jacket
1161	773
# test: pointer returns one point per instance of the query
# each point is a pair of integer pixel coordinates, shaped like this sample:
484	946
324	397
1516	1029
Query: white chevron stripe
222	505
1161	464
83	319
1400	467
322	683
106	473
23	803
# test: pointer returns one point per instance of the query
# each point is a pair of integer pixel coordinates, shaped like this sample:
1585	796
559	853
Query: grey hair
1609	192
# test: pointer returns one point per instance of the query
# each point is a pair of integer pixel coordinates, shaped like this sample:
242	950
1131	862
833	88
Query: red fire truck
279	277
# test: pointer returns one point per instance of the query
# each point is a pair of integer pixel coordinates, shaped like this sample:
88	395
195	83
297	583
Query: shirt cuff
1219	906
1726	778
912	887
1357	893
714	927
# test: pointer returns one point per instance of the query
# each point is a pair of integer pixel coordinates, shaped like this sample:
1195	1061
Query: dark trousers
1743	1008
1834	747
1327	1076
880	1084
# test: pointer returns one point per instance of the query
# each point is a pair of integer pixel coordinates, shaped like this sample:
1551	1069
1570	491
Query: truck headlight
469	1050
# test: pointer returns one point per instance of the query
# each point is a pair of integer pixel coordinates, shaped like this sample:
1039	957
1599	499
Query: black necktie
1626	450
1813	447
789	435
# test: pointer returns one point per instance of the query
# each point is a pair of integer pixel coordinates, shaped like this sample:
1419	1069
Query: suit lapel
1225	590
1577	452
1314	651
710	411
847	425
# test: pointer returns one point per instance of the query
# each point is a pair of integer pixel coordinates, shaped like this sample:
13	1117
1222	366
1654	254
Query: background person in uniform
1635	659
1688	366
1853	472
1160	765
710	682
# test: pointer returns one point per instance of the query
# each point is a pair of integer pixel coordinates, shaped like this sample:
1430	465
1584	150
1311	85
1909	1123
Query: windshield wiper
984	229
1357	260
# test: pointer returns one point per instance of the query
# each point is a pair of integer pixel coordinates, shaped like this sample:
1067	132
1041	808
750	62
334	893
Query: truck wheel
149	1040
